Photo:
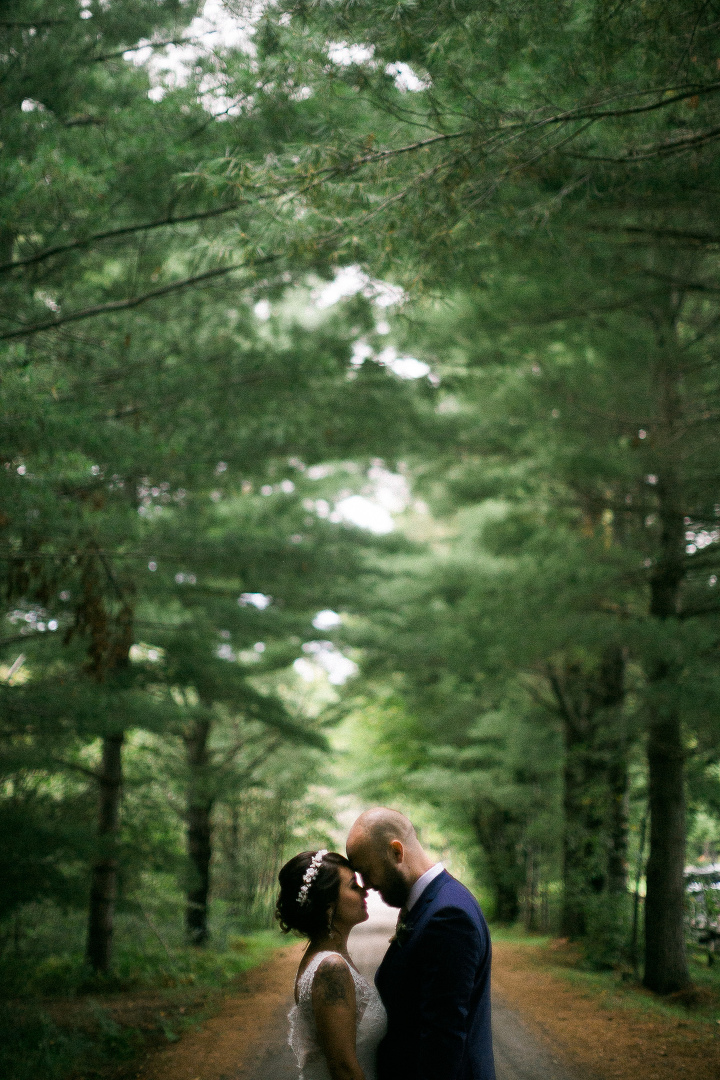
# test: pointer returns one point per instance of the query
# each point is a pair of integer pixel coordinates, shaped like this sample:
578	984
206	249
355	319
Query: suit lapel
426	898
423	902
393	961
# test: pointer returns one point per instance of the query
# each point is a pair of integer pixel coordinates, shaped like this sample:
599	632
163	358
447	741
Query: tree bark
617	867
199	830
498	832
232	857
103	884
578	865
666	965
594	785
612	696
108	652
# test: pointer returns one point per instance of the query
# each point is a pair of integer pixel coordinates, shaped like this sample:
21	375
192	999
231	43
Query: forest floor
551	1021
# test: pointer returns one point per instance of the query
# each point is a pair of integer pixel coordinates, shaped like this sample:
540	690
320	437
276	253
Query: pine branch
677	283
76	768
541	700
661	234
6	24
607	114
133	301
139	48
706	609
672	146
30	636
525	125
565	707
230	755
114	234
382	155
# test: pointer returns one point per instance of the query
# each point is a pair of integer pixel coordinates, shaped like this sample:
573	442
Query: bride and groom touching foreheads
428	1016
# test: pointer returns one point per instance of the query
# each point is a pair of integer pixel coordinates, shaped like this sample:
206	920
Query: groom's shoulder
453	894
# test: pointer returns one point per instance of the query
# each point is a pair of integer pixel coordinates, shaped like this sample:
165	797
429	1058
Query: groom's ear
397	850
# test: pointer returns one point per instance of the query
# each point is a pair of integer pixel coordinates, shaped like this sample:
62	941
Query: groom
435	978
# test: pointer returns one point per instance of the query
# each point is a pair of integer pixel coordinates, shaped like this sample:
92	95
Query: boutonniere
402	931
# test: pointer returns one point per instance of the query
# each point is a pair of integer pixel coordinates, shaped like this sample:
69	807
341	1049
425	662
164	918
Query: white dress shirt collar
422	883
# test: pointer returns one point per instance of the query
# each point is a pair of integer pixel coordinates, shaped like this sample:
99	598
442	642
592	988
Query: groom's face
380	870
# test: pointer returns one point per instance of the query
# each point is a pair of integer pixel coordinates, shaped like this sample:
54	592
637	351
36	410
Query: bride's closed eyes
351	907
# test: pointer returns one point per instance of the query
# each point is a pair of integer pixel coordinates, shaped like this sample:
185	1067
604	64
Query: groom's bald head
384	848
380	826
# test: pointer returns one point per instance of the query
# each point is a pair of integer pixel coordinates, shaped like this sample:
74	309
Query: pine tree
108	429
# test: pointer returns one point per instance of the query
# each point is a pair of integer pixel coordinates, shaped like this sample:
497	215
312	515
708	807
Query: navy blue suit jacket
435	985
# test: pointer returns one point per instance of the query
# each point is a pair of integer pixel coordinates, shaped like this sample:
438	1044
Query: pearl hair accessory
310	875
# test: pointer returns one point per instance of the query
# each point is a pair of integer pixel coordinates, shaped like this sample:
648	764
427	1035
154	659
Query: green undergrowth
34	1045
63	1022
515	935
620	988
141	966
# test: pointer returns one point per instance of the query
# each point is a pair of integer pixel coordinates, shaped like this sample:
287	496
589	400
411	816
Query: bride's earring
332	932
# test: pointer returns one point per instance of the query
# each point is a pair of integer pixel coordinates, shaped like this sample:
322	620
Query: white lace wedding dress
371	1024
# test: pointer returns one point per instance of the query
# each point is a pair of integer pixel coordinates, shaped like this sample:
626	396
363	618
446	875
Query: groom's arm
452	949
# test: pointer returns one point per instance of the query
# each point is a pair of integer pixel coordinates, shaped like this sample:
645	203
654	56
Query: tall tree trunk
617	868
199	830
232	856
498	832
577	866
634	949
103	884
108	652
612	696
666	966
594	785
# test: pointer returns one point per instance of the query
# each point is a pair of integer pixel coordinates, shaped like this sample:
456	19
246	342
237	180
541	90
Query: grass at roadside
620	989
68	1024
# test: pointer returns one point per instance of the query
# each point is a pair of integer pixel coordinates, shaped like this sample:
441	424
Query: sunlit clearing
391	489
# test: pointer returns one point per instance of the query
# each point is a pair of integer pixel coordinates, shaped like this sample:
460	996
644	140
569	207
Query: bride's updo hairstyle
309	917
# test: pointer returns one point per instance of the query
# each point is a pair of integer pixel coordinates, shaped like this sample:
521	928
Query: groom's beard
393	888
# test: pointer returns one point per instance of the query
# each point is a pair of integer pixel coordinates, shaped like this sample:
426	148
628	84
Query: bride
338	1019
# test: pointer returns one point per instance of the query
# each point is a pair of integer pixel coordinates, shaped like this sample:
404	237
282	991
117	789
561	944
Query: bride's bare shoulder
333	982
